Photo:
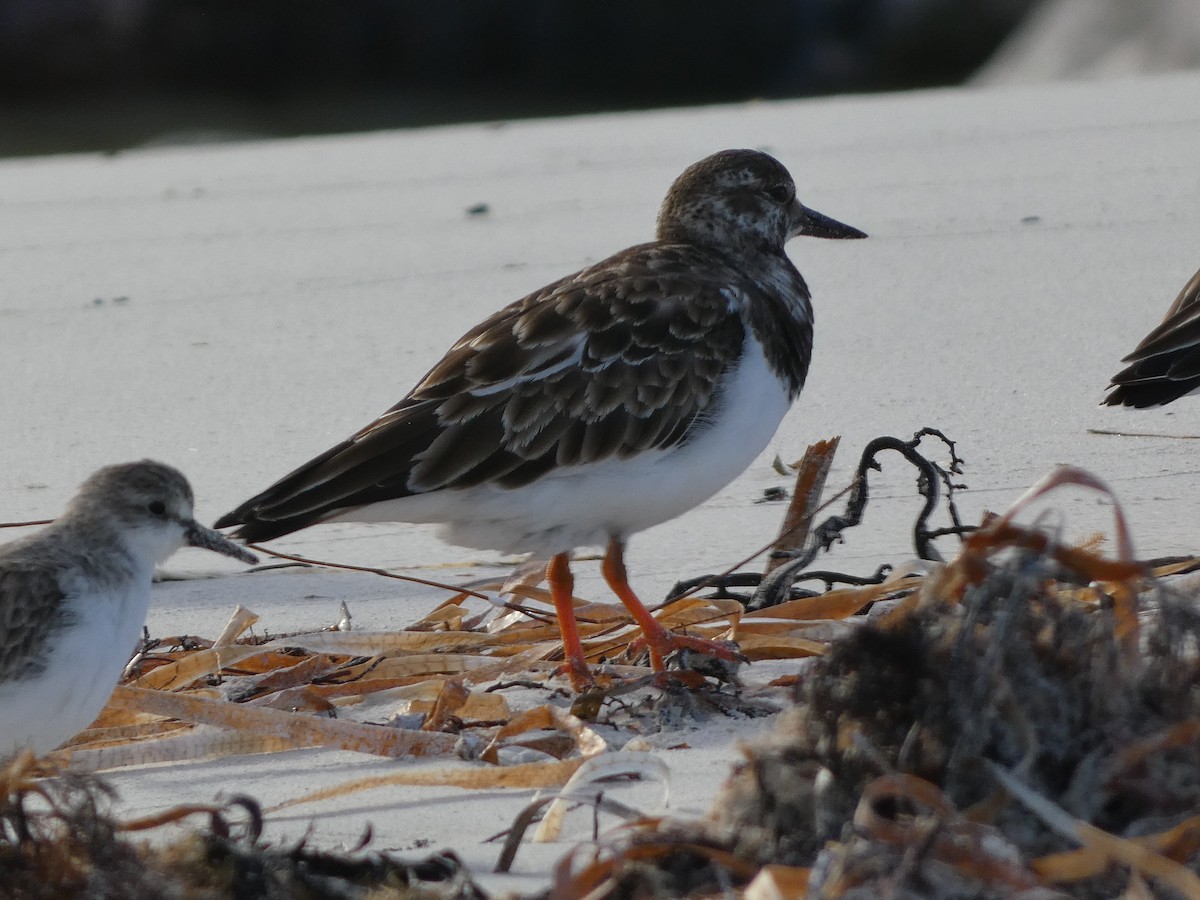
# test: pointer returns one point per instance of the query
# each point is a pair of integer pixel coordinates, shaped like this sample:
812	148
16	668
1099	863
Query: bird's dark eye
157	508
780	193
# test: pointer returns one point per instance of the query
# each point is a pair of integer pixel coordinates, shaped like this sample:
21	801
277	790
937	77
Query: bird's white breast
81	666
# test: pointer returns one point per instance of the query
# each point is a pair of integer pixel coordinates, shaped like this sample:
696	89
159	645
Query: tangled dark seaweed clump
58	840
882	778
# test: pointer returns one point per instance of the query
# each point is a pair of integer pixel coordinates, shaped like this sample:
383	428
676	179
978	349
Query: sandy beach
235	309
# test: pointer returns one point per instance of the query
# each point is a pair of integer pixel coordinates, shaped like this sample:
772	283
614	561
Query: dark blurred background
109	74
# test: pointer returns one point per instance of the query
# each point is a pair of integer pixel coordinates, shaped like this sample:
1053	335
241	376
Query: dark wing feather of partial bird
1166	364
623	357
31	604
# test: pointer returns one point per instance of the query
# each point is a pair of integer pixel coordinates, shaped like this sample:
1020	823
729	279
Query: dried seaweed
786	568
1024	718
776	584
1024	675
58	839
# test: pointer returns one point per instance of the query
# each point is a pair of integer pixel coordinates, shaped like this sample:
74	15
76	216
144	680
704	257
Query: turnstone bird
73	598
612	400
1166	364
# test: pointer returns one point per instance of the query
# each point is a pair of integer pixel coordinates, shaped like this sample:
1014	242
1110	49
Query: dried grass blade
477	669
694	611
114	736
1123	589
840	603
812	470
1074	475
760	647
551	773
238	623
301	698
450	701
608	765
478	707
411	696
1178	843
186	747
379	643
587	740
196	665
585	610
301	674
302	731
1173	568
421	665
167	816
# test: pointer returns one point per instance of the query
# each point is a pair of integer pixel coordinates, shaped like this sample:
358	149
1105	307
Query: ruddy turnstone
1166	364
612	400
73	598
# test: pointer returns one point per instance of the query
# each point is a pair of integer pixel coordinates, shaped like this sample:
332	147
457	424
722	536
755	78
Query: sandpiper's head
148	505
739	200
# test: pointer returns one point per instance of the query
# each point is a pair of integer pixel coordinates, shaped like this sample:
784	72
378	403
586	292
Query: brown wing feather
623	357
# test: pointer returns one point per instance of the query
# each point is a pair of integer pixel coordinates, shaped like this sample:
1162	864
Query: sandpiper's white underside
82	665
585	506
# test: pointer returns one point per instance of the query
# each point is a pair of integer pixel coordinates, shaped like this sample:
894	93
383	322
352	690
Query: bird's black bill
207	539
813	224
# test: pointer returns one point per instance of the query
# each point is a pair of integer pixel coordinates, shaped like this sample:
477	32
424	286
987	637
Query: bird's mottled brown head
741	201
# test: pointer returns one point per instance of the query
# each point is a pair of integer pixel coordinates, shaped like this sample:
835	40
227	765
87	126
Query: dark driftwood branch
933	483
931	477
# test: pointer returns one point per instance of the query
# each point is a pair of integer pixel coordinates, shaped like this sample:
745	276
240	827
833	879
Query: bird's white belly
586	505
82	665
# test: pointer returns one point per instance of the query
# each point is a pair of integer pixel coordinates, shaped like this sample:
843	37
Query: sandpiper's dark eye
780	193
157	508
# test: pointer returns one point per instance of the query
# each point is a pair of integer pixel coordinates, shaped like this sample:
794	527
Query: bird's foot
662	643
720	660
577	671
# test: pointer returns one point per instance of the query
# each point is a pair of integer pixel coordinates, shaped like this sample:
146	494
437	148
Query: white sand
279	295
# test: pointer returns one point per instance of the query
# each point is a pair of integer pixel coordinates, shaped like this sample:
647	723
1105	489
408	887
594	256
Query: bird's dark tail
253	530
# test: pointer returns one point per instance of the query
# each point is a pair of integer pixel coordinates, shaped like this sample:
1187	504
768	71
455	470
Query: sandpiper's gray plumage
73	598
604	403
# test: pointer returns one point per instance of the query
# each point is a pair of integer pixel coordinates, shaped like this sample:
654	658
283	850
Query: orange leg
659	641
562	589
